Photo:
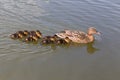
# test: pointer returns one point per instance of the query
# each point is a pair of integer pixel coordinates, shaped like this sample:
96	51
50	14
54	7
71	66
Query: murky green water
97	61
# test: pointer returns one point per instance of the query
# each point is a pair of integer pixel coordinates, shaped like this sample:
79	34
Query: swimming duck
79	36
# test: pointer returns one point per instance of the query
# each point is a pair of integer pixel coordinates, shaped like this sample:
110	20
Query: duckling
28	39
67	40
37	33
22	34
63	41
31	38
14	36
17	35
46	41
35	38
49	39
26	32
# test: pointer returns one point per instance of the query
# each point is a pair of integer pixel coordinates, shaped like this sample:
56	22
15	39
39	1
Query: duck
77	36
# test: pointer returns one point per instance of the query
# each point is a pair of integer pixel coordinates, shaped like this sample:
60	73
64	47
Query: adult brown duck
79	36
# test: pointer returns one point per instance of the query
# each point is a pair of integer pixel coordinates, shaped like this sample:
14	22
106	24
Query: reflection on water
89	47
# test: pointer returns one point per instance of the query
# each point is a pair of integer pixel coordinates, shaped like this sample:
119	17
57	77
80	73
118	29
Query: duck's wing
61	35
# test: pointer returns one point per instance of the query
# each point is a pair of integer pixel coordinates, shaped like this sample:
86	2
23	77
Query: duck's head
92	31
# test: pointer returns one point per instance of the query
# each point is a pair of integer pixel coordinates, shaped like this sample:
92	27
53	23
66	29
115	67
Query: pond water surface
96	61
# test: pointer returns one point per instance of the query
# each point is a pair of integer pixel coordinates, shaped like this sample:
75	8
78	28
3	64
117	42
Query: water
96	61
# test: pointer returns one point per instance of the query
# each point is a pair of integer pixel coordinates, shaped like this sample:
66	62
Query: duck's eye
62	31
96	31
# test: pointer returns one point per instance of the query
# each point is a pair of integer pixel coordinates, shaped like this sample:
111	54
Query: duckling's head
45	41
92	31
26	32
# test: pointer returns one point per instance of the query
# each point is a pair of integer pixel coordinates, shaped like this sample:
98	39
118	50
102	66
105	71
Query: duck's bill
99	33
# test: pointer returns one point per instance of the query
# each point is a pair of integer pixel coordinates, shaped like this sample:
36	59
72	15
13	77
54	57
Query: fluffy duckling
46	41
31	38
63	41
49	39
26	32
17	35
37	33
